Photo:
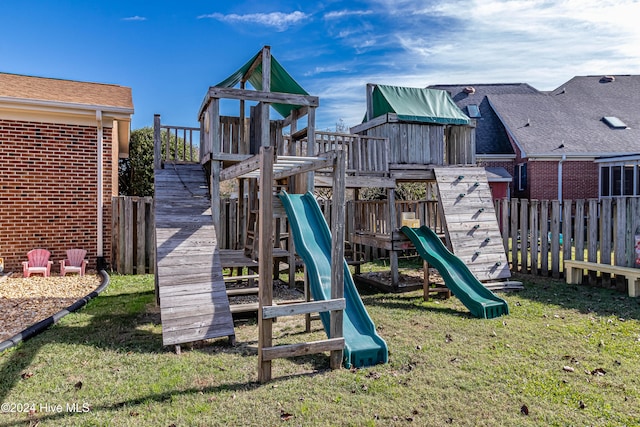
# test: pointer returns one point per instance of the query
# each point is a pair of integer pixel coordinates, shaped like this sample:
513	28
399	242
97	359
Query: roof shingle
64	91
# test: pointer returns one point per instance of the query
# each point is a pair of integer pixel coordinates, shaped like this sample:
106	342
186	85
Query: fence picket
530	230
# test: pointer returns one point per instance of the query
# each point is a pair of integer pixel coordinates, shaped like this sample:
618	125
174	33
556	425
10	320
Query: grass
445	368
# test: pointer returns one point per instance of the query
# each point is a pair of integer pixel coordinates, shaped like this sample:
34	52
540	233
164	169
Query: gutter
100	141
66	105
44	324
560	162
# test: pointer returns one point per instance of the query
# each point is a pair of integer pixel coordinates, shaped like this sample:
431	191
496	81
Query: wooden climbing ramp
193	299
472	228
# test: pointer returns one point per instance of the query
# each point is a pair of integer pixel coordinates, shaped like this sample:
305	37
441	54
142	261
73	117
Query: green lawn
566	355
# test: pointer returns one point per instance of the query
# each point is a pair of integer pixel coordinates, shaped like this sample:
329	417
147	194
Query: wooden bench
573	273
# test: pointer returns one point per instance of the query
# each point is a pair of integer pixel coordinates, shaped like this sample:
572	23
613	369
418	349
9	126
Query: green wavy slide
312	238
480	301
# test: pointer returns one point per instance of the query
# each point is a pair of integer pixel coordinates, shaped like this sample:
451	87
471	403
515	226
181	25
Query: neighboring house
494	150
60	141
558	136
575	142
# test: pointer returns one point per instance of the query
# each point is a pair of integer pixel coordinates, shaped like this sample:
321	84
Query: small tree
135	174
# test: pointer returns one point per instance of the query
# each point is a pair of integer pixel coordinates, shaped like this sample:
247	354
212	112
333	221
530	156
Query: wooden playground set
278	164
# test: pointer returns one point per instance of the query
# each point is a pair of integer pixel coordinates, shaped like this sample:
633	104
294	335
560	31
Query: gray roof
491	136
568	120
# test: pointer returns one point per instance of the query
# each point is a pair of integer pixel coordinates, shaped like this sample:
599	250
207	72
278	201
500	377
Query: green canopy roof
281	81
418	105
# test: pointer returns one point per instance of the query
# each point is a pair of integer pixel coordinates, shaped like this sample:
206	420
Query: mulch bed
26	301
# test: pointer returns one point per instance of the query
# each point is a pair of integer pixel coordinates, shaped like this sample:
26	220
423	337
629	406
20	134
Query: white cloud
346	13
278	20
135	18
541	42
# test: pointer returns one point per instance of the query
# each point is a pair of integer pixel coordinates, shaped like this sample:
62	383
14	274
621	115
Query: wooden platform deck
193	300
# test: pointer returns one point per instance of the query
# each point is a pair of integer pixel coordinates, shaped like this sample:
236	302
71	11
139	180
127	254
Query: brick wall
579	180
48	190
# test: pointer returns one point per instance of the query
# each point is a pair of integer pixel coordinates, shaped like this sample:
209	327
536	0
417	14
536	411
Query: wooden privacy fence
538	235
133	235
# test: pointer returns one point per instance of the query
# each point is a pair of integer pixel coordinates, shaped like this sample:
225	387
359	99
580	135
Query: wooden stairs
193	300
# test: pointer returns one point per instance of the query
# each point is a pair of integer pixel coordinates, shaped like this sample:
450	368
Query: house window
620	180
522	176
605	182
474	111
616	181
627	189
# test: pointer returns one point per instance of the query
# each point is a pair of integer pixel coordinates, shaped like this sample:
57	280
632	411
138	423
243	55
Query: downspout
564	157
99	249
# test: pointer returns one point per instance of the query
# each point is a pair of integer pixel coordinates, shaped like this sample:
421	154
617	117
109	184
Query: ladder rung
243	308
242	291
240	278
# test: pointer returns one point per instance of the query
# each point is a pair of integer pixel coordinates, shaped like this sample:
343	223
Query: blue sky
170	52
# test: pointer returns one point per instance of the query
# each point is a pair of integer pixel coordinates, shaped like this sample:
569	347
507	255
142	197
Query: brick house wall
579	180
48	190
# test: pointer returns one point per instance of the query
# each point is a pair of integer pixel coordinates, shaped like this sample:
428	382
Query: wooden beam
157	142
377	121
302	349
318	163
266	69
265	233
357	182
301	134
337	254
261	96
251	69
303	308
244	167
369	98
230	157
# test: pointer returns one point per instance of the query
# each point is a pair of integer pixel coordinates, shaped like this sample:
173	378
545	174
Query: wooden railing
366	155
179	144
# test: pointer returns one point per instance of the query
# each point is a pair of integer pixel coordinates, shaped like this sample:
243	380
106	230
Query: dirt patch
26	301
407	277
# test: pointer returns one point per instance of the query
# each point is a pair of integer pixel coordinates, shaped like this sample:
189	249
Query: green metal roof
417	105
281	81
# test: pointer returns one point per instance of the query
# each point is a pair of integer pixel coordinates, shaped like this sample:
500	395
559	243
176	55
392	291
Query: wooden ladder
251	240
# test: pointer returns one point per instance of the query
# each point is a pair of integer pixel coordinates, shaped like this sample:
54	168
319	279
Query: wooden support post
214	138
311	144
369	98
425	283
292	190
393	255
265	294
157	142
337	254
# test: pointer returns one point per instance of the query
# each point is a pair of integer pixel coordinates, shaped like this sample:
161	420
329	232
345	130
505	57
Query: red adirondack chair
38	263
75	262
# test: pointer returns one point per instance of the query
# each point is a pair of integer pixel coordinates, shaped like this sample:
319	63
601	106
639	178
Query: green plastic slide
312	238
480	301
